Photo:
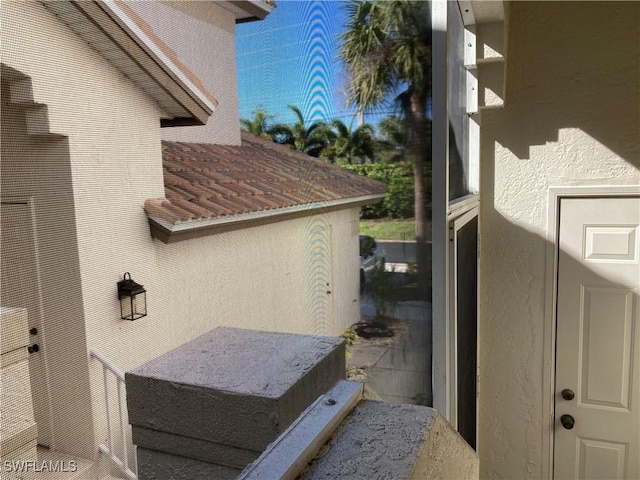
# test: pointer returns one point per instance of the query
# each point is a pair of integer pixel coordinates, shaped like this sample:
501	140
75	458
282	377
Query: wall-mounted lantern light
133	299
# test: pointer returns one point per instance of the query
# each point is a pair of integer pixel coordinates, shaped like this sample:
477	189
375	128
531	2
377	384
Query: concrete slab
397	368
366	355
399	399
232	386
162	465
389	381
403	359
194	448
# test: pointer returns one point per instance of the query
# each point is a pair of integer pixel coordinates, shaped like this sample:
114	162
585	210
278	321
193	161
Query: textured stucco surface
445	455
88	189
394	441
195	448
80	187
232	386
202	35
155	465
571	118
377	440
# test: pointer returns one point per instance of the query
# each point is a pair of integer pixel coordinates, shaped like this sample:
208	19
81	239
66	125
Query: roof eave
155	72
248	10
167	232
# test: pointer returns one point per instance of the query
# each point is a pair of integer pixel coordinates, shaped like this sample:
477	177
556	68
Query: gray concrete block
232	386
153	465
192	447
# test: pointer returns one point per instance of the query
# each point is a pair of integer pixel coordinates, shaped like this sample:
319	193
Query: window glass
458	118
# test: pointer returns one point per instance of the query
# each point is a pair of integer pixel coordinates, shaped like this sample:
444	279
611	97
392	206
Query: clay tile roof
204	181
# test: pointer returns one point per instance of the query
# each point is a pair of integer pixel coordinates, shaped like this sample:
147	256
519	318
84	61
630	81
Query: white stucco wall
88	189
571	117
271	277
203	36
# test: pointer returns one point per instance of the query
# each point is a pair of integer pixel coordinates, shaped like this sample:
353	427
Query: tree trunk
418	125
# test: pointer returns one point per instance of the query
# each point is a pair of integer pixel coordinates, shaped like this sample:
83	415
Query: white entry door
20	288
597	396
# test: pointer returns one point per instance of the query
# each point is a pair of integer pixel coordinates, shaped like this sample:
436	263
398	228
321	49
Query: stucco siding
272	277
202	35
87	186
88	183
571	118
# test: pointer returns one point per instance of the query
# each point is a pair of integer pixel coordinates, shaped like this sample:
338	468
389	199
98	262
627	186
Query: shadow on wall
579	64
574	93
517	363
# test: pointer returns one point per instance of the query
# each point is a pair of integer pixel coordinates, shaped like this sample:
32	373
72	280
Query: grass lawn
389	229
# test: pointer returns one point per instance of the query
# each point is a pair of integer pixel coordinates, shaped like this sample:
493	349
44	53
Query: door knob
567	421
33	348
567	394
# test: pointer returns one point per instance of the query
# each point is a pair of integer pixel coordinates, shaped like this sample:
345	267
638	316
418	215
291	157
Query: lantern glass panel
134	307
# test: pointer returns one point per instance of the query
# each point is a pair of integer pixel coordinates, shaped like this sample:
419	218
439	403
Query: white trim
466	10
555	194
46	430
473	173
124	444
440	201
460	206
115	10
185	226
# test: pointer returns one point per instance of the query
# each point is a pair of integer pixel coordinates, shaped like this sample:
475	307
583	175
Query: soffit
248	10
487	11
128	44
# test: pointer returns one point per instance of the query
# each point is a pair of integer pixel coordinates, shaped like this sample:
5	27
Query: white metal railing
122	460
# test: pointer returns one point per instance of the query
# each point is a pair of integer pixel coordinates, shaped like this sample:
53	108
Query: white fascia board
263	214
157	51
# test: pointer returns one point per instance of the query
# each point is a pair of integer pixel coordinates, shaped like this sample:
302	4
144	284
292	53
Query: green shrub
400	198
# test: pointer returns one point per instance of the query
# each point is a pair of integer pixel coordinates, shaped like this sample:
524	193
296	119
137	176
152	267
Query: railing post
122	463
123	432
106	401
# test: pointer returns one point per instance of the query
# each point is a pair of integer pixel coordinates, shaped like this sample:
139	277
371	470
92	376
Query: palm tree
351	143
259	125
387	49
310	140
394	136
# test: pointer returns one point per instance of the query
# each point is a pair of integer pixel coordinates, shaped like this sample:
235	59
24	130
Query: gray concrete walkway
397	368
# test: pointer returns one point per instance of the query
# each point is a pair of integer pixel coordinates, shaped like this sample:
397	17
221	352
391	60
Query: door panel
605	360
597	341
20	288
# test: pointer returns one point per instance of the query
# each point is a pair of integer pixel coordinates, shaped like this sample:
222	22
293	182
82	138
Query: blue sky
291	57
